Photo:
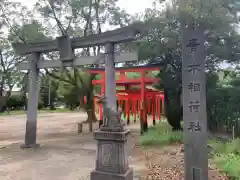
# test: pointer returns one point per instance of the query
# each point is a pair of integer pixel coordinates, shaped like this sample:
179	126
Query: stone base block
97	175
31	146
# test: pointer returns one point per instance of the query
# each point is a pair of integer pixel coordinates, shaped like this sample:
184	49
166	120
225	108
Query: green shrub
218	147
15	102
223	107
227	157
228	163
40	104
233	147
161	134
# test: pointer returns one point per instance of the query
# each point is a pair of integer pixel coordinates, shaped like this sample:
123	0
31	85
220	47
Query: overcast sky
131	6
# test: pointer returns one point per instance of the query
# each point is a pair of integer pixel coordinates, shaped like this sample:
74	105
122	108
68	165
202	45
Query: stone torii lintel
81	61
125	34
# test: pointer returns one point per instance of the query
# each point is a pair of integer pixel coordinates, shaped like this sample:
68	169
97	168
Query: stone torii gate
111	157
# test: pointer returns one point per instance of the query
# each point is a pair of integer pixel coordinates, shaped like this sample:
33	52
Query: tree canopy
161	44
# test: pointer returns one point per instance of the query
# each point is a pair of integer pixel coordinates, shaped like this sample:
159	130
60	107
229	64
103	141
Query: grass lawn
226	155
18	112
160	135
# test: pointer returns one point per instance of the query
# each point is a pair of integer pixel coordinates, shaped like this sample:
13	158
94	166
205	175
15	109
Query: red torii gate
147	100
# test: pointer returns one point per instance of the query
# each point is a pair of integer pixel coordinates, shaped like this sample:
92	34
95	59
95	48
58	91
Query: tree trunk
143	119
174	119
141	122
91	116
1	86
89	107
25	102
173	110
3	102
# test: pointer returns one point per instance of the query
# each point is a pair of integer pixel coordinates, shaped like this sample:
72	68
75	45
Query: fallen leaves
168	163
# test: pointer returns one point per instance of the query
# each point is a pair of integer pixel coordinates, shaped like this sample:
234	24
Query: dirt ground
63	154
66	155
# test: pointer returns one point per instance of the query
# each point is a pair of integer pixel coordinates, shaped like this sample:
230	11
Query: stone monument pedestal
112	159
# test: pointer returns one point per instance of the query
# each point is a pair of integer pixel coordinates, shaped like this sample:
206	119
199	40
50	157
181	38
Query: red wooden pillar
159	108
134	109
122	102
102	93
159	116
157	105
149	104
153	110
124	99
163	106
139	105
160	105
143	114
119	102
122	76
128	110
95	105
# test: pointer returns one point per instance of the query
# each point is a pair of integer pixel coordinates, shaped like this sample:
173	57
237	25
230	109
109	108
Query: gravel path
64	154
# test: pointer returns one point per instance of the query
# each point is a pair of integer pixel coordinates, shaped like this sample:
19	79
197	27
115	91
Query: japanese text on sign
194	106
192	44
194	127
194	68
194	87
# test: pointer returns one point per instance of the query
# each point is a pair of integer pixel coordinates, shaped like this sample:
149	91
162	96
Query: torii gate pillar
112	158
32	104
110	79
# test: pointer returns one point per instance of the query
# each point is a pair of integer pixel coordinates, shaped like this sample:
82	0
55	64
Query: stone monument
194	104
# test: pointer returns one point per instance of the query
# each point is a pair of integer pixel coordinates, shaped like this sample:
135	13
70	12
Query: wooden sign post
194	104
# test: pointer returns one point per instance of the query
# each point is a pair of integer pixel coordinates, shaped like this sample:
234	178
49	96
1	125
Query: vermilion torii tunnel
135	95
